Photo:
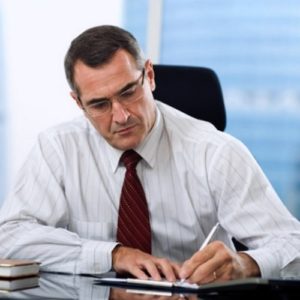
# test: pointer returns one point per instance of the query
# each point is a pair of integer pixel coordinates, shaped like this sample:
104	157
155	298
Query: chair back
195	91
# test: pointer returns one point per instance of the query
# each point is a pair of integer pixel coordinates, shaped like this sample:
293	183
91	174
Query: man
65	208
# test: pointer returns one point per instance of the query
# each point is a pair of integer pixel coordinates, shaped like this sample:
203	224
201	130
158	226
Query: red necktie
133	223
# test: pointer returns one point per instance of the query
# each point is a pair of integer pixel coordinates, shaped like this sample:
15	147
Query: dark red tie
133	224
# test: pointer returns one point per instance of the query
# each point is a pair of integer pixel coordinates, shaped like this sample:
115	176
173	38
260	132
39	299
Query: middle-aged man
68	205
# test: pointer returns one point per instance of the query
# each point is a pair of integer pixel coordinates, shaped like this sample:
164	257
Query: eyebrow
123	89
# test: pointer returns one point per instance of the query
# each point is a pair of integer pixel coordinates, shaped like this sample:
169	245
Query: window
254	47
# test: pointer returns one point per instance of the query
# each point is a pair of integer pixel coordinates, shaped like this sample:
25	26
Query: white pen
210	235
207	240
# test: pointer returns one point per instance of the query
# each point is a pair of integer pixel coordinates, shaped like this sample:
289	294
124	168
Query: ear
75	97
149	73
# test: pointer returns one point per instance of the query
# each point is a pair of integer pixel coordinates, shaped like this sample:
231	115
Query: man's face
125	126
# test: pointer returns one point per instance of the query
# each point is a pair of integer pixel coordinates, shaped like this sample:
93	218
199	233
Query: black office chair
193	90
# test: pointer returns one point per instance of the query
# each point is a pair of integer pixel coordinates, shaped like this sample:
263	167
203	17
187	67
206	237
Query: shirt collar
145	149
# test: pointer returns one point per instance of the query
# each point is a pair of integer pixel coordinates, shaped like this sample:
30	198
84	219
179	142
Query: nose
119	112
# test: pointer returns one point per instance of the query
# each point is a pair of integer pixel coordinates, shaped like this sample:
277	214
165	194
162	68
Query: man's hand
143	265
216	262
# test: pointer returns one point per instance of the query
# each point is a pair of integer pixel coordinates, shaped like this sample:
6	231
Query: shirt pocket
102	231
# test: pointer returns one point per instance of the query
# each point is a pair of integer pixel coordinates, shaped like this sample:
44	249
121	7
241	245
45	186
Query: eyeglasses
133	93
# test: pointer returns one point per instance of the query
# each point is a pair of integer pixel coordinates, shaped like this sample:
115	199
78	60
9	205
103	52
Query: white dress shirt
63	210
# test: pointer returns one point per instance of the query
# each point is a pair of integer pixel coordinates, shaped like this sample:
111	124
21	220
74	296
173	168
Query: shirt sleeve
34	219
250	210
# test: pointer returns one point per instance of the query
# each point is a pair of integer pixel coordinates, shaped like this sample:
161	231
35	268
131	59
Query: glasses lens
99	108
132	94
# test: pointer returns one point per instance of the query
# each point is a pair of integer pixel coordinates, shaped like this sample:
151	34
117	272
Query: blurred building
254	47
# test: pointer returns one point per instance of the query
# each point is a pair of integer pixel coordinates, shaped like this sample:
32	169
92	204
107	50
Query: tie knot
130	159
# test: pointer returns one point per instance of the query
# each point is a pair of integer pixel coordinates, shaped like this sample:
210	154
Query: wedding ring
215	275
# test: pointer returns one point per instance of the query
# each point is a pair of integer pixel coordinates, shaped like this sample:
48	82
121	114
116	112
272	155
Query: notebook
233	286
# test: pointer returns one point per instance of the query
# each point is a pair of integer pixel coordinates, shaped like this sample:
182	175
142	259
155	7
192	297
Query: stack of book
16	274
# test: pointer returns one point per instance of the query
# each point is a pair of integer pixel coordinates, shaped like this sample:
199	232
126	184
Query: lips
125	130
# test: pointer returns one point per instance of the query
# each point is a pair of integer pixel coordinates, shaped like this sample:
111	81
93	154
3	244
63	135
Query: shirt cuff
272	260
266	261
96	257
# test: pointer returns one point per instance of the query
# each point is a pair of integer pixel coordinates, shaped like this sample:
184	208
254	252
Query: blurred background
253	46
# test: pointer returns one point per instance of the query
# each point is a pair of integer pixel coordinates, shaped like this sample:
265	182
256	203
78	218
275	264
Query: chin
126	145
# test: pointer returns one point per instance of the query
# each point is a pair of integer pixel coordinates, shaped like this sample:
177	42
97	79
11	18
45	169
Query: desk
60	286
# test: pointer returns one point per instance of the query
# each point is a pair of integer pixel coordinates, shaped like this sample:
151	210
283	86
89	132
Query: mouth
125	131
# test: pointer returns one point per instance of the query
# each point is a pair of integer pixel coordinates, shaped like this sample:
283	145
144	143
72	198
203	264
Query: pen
206	241
210	235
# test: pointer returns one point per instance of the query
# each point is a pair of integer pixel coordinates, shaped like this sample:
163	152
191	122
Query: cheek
101	125
150	114
142	116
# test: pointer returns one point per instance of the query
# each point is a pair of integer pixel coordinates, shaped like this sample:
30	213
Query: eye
129	92
100	105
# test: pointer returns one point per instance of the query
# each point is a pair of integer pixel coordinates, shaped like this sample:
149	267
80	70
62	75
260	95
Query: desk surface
61	286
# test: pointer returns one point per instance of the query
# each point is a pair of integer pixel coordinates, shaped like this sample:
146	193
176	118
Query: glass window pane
254	47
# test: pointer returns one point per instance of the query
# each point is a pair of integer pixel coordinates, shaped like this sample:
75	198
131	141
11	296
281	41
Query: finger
187	268
151	268
190	265
203	274
138	272
166	269
176	269
220	263
203	277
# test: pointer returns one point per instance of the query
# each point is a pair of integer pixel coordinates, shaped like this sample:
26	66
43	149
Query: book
18	283
13	268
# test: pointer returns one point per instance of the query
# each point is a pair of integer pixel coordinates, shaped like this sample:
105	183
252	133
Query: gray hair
96	46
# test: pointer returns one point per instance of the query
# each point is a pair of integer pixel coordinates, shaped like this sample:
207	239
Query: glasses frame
136	83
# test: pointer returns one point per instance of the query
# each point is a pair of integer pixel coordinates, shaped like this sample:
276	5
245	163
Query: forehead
105	79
